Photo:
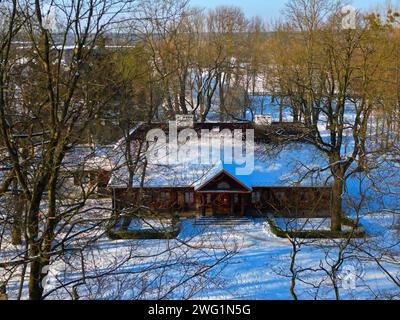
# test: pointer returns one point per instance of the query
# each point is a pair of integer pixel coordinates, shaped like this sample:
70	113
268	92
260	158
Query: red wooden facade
224	195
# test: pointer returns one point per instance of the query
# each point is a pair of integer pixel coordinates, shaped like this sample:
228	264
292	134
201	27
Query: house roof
293	163
87	157
79	157
202	184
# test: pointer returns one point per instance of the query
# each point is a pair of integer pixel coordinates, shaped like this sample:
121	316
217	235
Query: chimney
262	119
184	120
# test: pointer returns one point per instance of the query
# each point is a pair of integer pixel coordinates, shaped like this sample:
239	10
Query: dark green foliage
143	234
168	233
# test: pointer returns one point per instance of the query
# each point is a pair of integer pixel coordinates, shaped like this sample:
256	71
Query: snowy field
243	260
258	262
145	224
306	224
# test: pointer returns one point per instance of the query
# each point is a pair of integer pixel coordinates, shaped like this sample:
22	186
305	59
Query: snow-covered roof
216	171
121	141
88	158
291	164
79	157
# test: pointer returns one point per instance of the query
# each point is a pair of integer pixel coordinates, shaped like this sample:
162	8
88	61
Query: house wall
284	202
158	199
294	202
72	182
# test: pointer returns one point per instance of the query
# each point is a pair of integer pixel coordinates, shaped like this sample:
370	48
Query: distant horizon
272	9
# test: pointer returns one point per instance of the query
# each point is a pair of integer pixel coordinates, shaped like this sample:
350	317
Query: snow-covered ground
260	268
241	260
150	224
305	224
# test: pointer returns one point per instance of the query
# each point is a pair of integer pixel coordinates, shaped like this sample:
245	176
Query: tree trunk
19	209
296	112
182	96
3	292
35	275
336	204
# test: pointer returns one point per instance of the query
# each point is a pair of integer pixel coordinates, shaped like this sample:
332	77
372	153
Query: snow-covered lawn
148	224
241	259
254	272
256	266
303	224
306	224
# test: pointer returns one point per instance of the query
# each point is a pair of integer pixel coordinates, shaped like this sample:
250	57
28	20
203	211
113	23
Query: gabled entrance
223	182
223	194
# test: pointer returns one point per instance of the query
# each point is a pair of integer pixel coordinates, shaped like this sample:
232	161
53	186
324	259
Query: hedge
143	234
357	232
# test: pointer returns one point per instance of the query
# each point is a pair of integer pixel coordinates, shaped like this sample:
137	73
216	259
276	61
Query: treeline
197	59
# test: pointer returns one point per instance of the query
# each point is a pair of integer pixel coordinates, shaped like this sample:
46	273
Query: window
256	197
148	196
189	198
281	196
164	196
223	186
208	198
236	198
306	196
76	180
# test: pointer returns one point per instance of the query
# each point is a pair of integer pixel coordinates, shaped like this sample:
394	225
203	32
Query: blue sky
268	9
